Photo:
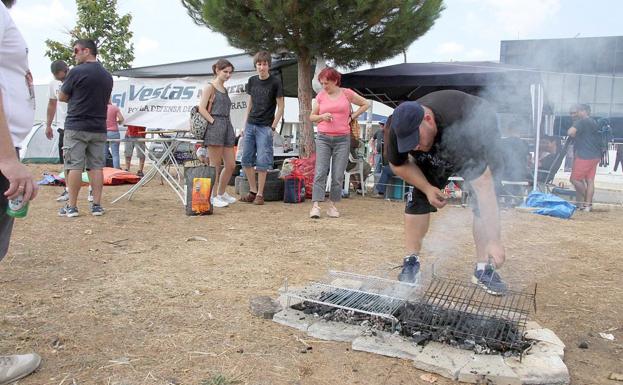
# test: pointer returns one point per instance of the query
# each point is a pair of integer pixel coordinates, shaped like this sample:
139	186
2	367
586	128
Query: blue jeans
331	151
378	163
114	148
386	174
257	147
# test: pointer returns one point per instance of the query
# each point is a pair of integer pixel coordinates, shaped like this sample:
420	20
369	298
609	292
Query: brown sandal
249	198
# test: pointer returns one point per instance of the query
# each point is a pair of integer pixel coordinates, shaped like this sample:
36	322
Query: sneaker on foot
69	212
259	200
228	198
314	213
410	269
249	198
219	202
12	368
489	280
97	210
140	174
64	197
332	212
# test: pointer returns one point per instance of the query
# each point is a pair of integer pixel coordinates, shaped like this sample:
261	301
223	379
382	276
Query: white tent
37	148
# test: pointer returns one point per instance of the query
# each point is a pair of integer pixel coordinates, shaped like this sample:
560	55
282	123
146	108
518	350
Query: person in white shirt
17	114
57	110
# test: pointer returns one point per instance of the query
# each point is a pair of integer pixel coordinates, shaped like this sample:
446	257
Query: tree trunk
305	93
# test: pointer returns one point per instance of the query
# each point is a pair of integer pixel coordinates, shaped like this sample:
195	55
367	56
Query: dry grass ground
125	299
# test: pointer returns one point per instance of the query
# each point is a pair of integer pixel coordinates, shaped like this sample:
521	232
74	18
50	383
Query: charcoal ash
423	323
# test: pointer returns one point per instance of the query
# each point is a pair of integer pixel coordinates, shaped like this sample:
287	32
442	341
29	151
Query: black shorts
437	175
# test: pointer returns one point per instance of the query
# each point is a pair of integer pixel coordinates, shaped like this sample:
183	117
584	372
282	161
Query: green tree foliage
346	32
98	20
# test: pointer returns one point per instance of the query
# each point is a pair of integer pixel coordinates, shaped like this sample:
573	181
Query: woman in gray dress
219	136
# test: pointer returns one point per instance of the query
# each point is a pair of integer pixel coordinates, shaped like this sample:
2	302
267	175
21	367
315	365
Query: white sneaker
64	197
228	198
12	368
219	202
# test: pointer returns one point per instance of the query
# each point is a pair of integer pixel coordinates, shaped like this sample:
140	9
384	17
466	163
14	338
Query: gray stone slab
264	306
388	345
442	359
545	335
547	349
286	301
295	319
334	331
535	369
490	370
530	325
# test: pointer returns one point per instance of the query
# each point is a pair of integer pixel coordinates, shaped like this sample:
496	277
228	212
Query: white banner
166	103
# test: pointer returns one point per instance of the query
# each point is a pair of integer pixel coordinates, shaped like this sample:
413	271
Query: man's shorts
128	147
584	169
84	149
257	149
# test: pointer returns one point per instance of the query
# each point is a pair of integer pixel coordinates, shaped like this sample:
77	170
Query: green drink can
17	208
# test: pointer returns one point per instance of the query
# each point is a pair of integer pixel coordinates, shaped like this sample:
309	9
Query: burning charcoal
421	339
468	344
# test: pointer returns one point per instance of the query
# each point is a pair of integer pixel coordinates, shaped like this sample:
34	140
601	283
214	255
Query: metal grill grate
464	313
359	293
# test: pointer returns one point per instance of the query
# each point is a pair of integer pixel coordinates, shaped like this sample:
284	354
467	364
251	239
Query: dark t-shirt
587	139
467	138
378	137
88	86
264	94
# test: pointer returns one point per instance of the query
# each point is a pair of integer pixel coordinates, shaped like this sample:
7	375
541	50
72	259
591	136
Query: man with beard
442	134
587	153
16	91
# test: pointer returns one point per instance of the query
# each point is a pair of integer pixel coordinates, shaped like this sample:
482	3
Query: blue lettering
145	94
133	94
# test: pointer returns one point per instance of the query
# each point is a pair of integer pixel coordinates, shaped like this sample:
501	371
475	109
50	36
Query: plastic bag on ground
549	204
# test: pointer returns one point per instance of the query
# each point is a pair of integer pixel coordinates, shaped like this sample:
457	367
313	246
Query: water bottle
17	208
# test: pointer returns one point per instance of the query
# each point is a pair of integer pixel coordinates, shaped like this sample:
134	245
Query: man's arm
50	117
572	131
412	174
20	179
279	114
63	97
488	223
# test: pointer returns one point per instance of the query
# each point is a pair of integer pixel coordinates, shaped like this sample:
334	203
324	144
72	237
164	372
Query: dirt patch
126	299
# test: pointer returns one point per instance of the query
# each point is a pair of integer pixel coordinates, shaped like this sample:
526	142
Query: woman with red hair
332	112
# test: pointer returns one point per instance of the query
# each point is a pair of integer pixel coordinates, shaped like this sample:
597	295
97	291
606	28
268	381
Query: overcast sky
466	30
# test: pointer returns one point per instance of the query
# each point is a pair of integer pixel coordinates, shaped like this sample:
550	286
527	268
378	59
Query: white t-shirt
61	107
18	93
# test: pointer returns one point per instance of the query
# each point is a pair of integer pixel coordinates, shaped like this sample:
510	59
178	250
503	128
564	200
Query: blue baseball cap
406	122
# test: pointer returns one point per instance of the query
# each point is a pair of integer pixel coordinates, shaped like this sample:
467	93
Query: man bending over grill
442	134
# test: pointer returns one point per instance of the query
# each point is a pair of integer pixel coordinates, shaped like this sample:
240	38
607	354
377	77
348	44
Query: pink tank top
111	118
339	108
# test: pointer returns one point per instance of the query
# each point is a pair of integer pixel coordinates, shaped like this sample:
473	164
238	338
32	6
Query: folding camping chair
545	177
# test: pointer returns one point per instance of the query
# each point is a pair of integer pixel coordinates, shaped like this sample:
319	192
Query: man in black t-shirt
86	90
265	96
442	134
587	153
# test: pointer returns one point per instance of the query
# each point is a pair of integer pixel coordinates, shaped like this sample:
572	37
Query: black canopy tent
505	85
285	68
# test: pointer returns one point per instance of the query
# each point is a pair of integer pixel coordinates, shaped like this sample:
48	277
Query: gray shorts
84	149
6	221
128	147
220	133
